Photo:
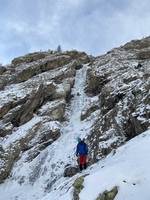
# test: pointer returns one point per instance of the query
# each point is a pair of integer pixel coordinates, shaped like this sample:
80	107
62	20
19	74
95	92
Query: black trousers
83	166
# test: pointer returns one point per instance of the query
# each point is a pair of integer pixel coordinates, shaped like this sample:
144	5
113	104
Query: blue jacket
82	148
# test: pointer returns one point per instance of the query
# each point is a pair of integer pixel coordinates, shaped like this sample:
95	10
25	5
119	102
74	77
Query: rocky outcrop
70	171
31	57
30	65
2	69
123	92
35	139
19	109
108	195
78	186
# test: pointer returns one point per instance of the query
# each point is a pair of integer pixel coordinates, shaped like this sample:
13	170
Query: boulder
70	171
108	195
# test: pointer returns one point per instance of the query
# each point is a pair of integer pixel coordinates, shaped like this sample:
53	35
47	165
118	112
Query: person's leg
80	162
80	167
84	161
85	166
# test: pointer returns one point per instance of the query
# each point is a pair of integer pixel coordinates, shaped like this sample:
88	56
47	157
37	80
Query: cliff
48	99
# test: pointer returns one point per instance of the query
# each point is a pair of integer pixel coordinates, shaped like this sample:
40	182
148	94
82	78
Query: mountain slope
48	99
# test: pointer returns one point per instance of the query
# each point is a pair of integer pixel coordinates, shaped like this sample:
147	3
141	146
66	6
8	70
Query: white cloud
95	26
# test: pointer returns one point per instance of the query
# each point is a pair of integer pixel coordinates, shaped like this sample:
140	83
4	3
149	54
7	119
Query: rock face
40	84
121	79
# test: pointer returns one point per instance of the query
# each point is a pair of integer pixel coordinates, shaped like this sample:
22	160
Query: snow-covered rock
48	99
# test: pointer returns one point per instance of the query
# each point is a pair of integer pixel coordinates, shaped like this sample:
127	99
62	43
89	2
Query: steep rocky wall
121	79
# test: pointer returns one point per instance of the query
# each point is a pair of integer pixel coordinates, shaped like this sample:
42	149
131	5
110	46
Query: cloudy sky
93	26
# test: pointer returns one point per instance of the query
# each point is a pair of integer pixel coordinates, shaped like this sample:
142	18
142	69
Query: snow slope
128	169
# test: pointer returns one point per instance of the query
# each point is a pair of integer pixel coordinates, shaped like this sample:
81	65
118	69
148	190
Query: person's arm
77	150
86	149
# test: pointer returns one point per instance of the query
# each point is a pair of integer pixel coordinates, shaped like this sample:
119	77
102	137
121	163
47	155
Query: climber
82	151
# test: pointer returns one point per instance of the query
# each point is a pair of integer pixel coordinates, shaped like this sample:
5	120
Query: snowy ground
128	169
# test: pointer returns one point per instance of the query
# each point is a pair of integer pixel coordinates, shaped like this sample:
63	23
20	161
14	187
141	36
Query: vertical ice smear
78	102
